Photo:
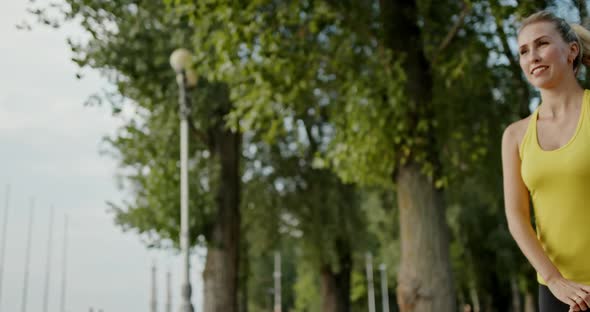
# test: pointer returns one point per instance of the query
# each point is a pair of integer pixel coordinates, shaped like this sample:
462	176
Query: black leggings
549	303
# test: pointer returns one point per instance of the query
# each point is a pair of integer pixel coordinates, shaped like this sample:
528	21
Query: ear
573	52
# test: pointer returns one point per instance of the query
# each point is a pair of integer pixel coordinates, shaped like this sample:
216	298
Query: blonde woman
546	160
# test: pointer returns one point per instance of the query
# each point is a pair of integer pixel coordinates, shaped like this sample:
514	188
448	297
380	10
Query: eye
523	52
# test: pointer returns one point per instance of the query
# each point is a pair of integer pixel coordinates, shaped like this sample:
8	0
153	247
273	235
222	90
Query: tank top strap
531	132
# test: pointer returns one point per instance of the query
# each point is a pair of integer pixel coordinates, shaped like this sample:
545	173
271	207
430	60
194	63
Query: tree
391	86
311	208
130	43
406	99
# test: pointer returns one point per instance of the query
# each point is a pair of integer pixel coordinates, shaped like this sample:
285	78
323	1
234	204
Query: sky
49	151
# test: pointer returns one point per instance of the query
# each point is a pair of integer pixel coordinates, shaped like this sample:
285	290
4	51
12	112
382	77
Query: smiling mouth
538	70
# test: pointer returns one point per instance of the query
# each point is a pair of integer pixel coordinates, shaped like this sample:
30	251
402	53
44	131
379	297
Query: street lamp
180	61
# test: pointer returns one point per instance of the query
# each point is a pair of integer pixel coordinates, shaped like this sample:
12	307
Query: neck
562	97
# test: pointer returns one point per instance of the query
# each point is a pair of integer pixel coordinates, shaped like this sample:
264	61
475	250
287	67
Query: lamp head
180	59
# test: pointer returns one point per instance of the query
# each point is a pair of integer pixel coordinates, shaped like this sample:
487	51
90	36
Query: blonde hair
569	32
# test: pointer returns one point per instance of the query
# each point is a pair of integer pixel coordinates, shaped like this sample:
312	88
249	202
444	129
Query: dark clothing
549	303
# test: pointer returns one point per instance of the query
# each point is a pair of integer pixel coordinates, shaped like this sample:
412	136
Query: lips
538	69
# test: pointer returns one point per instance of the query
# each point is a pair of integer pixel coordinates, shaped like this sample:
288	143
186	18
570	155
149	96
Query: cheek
523	65
555	55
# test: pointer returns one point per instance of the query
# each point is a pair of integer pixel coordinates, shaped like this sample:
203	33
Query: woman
547	156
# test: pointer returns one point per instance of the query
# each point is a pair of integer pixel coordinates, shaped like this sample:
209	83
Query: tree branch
454	30
522	86
198	133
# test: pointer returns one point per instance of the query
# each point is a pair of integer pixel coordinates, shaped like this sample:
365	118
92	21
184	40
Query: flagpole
384	288
64	266
48	262
28	258
277	279
168	291
370	289
3	242
153	301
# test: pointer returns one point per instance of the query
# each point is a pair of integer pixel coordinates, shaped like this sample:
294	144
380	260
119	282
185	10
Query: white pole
371	291
168	291
3	242
48	262
186	305
277	278
384	290
154	302
180	61
64	266
28	258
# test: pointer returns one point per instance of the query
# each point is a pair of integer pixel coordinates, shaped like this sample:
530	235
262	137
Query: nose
535	57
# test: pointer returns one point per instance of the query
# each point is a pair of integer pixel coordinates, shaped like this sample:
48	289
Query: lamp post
277	277
370	289
384	288
180	61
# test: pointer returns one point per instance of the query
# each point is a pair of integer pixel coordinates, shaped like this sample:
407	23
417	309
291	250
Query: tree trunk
516	304
335	289
220	276
424	278
529	303
335	286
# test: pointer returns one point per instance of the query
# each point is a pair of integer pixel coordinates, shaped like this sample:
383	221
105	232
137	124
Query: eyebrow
539	38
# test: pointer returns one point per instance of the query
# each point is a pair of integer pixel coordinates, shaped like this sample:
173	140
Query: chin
544	83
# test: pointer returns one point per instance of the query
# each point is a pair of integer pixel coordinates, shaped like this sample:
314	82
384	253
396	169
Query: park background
320	131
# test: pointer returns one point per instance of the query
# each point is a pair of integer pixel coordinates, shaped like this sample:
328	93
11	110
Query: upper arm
516	196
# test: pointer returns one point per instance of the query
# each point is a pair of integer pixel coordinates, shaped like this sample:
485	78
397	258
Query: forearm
526	238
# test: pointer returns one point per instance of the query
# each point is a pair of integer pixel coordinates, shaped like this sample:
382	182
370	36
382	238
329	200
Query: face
545	58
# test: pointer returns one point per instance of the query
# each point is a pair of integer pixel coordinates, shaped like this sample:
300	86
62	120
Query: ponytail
583	35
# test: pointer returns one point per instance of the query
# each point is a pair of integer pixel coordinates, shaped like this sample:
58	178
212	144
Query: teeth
538	69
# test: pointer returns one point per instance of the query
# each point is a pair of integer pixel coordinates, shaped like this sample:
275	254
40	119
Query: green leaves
324	100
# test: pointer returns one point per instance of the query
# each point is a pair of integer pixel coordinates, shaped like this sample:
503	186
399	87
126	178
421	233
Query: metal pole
154	301
168	292
3	242
62	303
371	291
277	277
28	259
186	305
48	263
384	289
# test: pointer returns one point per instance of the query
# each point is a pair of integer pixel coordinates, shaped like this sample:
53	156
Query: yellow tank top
559	185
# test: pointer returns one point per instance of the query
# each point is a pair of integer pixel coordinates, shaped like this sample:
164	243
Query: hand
577	296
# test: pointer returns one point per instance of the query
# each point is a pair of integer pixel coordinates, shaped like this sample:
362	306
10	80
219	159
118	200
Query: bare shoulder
515	132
